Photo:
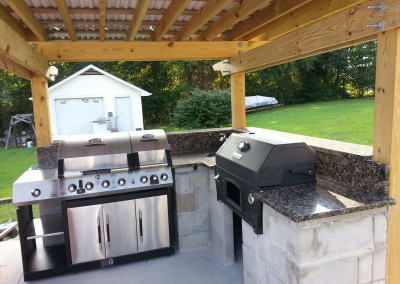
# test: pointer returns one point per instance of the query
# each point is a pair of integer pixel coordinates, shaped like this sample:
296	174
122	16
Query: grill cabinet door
86	233
152	223
120	235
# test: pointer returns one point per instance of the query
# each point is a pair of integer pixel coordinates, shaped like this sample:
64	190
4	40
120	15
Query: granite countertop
181	160
312	201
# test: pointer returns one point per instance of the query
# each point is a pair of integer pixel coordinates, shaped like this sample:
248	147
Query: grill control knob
89	186
105	183
121	182
244	146
143	179
164	176
35	192
72	187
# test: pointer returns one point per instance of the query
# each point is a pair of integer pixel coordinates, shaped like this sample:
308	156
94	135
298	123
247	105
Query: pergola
248	34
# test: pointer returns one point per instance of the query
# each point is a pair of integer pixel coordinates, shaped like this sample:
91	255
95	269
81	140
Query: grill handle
99	232
141	226
108	231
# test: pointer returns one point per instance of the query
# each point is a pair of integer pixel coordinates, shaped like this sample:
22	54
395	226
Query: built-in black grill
250	162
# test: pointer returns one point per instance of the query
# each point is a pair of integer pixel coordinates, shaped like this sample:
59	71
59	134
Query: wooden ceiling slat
137	18
207	12
25	14
102	24
237	13
65	15
310	13
174	11
265	15
12	22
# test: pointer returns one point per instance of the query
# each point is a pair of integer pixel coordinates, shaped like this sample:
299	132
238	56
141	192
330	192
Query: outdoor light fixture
51	73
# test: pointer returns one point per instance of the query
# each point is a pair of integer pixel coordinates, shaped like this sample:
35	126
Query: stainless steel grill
250	162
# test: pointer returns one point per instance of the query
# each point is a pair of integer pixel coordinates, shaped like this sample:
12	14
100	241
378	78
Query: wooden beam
141	51
26	15
207	12
264	16
14	48
11	21
310	13
137	18
40	98
102	20
338	31
237	13
10	66
238	101
65	15
175	9
387	137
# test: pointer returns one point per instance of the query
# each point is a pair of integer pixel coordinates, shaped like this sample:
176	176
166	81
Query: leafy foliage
203	109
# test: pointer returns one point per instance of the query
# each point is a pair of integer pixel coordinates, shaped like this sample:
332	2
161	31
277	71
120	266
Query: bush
203	109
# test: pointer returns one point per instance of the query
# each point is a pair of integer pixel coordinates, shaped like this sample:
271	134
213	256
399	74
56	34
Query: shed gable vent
91	72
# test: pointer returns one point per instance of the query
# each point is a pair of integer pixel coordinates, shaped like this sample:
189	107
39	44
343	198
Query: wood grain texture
11	21
141	9
65	15
10	66
102	19
238	100
40	98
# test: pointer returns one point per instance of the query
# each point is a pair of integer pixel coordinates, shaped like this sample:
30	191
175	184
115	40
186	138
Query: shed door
75	116
123	112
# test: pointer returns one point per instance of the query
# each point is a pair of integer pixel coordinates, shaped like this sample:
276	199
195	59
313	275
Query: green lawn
344	120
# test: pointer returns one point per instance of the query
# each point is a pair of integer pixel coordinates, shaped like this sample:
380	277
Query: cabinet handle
108	231
99	232
141	225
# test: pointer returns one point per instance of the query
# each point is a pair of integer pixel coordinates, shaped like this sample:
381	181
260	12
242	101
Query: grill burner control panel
114	182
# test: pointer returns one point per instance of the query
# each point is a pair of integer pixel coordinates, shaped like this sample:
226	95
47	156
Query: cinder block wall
349	248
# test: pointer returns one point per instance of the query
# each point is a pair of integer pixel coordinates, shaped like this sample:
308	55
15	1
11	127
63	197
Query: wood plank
238	100
236	14
312	12
12	67
141	51
102	20
25	14
40	99
175	9
140	12
65	15
207	12
264	16
14	48
348	26
11	21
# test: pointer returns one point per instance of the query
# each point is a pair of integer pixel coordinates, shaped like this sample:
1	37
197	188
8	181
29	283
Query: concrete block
212	185
201	179
249	278
277	263
365	268
225	251
201	220
274	279
248	235
202	200
185	223
194	241
380	229
379	269
283	236
186	202
222	226
184	182
331	272
253	265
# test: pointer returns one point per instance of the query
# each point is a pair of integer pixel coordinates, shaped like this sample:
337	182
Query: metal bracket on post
224	67
379	26
379	8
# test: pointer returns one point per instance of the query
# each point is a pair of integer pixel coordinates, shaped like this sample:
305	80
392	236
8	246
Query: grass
344	120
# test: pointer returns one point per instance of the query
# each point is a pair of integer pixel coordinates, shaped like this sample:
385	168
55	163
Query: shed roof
91	67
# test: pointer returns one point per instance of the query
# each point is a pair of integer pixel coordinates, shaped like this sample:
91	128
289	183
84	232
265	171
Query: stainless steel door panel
86	233
152	223
120	228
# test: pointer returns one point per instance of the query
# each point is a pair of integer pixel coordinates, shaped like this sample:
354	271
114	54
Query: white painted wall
97	86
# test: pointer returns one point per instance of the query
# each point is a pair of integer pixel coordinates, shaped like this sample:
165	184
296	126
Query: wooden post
40	96
238	101
387	137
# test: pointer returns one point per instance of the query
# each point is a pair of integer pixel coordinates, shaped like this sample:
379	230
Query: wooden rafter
25	14
207	12
12	22
141	51
122	22
343	29
266	15
310	13
65	15
240	11
102	24
175	9
137	18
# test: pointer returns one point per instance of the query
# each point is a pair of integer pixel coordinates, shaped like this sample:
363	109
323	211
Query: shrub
203	109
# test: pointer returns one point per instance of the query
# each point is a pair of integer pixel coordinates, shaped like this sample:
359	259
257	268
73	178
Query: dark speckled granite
47	156
312	201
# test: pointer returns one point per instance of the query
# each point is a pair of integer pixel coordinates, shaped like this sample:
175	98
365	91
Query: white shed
94	101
